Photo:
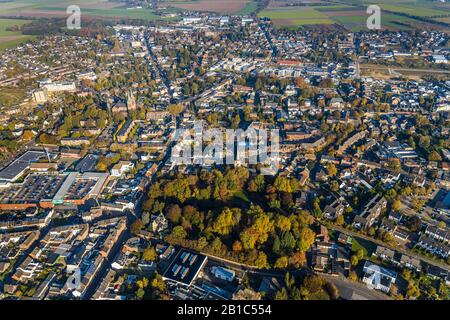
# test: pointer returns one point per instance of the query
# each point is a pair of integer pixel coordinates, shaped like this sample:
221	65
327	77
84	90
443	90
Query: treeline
420	18
51	26
307	288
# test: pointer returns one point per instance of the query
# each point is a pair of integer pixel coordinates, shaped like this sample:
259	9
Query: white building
122	167
378	277
439	58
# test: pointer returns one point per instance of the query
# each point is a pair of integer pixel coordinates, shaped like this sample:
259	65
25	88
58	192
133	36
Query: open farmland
418	8
57	8
9	38
220	6
24	6
356	20
411	9
299	16
351	14
249	8
398	15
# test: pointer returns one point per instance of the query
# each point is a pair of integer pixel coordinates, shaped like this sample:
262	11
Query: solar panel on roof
183	255
184	273
175	269
192	259
186	256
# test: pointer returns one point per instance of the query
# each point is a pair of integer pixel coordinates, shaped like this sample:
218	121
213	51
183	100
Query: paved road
355	290
394	68
159	70
381	243
347	288
269	40
106	266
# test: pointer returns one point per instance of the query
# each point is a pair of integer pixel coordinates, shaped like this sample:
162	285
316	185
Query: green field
446	20
21	6
412	9
294	17
352	14
366	246
10	39
248	9
358	23
103	8
144	14
349	13
11	96
337	7
48	8
7	23
419	8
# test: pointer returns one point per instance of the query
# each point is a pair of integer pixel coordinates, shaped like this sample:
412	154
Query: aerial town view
225	150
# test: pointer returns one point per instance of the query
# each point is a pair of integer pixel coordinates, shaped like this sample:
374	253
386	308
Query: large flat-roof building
185	267
79	187
47	190
18	167
441	201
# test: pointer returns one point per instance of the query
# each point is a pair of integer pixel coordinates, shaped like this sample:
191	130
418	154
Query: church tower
131	101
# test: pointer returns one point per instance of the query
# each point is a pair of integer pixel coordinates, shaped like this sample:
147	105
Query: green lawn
366	246
242	196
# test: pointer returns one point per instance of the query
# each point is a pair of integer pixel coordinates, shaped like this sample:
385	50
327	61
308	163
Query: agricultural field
419	8
285	17
105	8
9	38
240	7
284	13
356	21
287	3
11	96
353	16
446	19
411	9
57	8
249	8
